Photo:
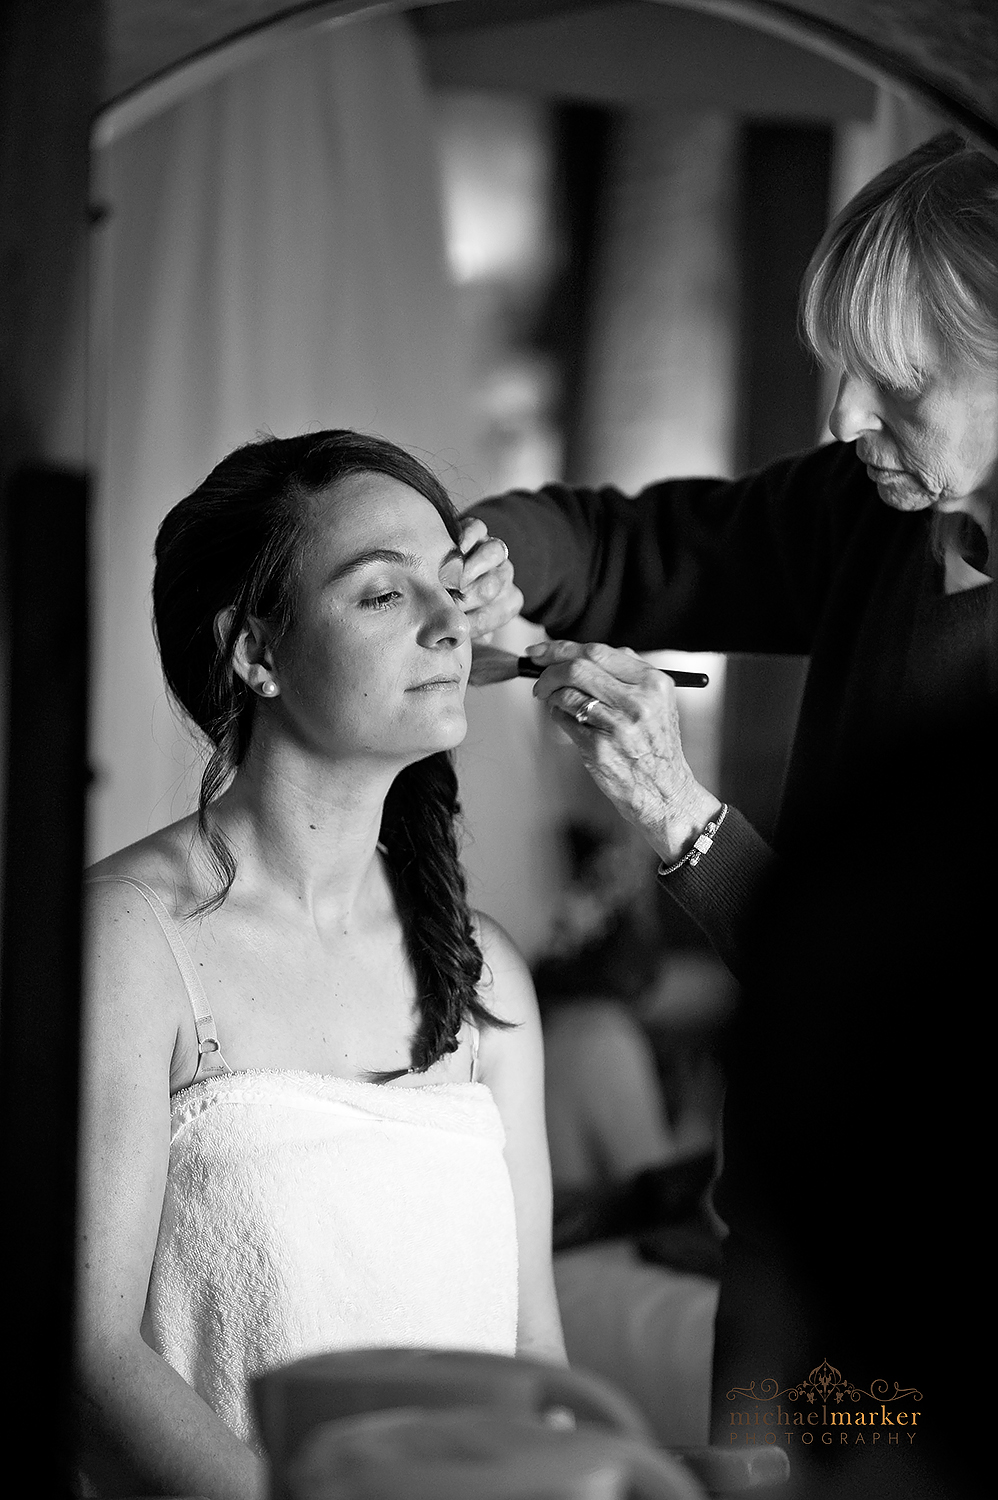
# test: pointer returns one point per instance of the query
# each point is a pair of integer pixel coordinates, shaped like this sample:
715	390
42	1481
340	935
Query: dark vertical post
584	135
783	188
40	1012
50	79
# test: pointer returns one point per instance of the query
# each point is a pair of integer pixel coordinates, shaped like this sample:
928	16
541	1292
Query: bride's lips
441	683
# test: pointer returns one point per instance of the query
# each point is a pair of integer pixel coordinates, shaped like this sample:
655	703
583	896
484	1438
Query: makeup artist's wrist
683	824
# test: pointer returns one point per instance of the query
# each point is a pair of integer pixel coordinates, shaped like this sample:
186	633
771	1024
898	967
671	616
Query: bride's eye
381	601
458	595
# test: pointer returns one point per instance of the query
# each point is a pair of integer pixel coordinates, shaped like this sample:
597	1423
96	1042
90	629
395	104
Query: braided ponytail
418	833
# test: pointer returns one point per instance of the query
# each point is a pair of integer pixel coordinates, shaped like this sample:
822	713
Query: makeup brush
489	665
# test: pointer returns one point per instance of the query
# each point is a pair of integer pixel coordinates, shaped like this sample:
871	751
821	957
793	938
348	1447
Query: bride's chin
450	736
457	735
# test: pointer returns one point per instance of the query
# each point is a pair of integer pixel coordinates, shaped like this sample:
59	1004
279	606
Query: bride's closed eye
386	600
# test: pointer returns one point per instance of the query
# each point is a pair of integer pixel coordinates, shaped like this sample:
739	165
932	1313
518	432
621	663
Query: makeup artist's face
936	445
377	660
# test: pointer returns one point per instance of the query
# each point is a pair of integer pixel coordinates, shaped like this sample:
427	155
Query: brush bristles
490	665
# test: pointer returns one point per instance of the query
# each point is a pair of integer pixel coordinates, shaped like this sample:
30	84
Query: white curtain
272	260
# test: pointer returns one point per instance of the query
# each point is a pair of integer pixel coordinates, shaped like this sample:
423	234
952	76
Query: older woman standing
868	555
854	1108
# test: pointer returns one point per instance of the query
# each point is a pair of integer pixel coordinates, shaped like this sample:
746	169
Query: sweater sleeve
689	564
722	891
695	564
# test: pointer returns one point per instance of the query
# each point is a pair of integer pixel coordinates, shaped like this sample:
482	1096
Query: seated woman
313	1078
606	1112
637	1253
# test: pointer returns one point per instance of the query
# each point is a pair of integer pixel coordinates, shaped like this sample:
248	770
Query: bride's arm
512	1064
143	1419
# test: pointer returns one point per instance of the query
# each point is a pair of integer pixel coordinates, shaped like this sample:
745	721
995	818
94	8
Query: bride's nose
445	624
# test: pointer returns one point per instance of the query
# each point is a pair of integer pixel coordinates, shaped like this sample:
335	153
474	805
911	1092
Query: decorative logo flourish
825	1383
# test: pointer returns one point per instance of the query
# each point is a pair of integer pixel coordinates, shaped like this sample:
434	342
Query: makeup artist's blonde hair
914	252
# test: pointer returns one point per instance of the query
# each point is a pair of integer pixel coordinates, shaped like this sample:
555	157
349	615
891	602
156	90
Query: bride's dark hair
236	543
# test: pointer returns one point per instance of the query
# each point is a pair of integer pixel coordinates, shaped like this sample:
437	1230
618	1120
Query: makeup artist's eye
905	394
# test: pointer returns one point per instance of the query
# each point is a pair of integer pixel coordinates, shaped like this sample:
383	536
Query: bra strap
476	1037
210	1059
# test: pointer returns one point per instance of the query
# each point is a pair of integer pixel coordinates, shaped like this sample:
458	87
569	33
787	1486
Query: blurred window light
496	164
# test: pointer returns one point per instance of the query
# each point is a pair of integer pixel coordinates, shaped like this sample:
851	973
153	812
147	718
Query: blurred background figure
629	1086
632	1095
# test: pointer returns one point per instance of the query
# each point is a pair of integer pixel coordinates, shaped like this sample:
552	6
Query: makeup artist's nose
856	409
445	623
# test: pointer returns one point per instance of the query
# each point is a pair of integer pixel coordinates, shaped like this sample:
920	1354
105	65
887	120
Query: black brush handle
526	667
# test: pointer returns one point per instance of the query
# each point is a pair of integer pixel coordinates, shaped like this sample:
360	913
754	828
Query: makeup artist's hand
621	714
491	598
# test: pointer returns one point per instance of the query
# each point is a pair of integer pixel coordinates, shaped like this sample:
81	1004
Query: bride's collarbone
345	1008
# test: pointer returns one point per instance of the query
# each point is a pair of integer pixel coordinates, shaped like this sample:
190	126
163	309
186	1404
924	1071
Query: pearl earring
268	688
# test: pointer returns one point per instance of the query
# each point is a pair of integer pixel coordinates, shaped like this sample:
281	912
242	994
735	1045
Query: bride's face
376	663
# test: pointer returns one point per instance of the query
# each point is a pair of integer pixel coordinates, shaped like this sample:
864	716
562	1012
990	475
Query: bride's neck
304	832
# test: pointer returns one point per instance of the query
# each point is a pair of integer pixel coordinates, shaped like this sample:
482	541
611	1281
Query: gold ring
582	714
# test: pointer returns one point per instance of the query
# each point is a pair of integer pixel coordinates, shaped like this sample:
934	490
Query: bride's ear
252	660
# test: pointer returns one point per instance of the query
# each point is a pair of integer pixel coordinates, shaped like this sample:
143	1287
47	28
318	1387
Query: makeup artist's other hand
491	598
628	738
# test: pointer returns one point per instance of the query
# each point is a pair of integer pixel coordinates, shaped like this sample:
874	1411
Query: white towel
305	1213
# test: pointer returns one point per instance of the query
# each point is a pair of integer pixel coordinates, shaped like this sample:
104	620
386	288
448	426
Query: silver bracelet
701	845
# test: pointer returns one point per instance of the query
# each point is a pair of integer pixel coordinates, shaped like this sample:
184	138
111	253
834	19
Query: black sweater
801	557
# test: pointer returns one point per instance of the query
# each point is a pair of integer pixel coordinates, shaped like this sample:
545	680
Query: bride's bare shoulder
162	862
138	1014
506	987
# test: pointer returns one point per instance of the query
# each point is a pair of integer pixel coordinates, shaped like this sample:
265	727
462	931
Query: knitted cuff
721	889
